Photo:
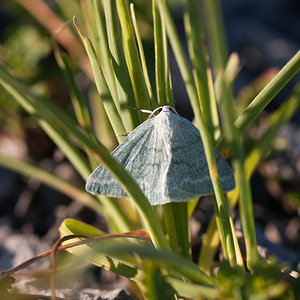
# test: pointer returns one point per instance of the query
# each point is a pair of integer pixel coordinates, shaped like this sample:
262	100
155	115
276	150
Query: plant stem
175	217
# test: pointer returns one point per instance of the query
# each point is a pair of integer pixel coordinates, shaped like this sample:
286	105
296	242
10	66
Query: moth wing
140	154
188	175
102	182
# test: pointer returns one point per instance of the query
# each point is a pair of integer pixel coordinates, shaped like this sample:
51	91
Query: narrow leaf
132	56
102	86
51	180
201	71
141	53
266	96
117	265
130	117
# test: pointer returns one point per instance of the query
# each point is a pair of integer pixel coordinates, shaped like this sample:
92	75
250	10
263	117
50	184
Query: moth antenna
139	109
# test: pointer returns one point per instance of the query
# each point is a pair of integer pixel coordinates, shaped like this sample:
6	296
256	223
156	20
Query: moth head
163	109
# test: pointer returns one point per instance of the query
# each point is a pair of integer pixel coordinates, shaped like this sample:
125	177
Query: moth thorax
163	124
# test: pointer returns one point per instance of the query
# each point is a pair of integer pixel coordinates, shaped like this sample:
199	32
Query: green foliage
109	31
26	62
266	282
6	284
120	265
25	59
156	285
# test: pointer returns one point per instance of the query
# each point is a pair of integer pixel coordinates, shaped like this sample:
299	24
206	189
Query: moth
165	156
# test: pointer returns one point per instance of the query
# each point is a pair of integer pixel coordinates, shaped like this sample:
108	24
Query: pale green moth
165	156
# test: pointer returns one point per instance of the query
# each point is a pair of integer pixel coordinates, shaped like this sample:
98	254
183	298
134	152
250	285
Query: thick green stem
175	217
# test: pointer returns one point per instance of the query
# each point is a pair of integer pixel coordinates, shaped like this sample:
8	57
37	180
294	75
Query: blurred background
264	33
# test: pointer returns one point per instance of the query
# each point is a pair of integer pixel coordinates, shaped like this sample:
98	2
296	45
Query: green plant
115	51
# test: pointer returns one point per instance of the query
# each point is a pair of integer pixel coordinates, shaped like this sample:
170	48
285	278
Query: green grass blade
163	258
113	73
40	106
266	96
156	285
47	114
117	219
108	256
120	94
175	217
181	58
129	116
90	19
230	72
118	265
192	204
115	250
103	52
215	34
160	41
193	291
234	140
59	184
268	93
201	72
209	247
141	53
75	157
102	129
132	57
278	119
258	152
79	105
260	149
102	87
